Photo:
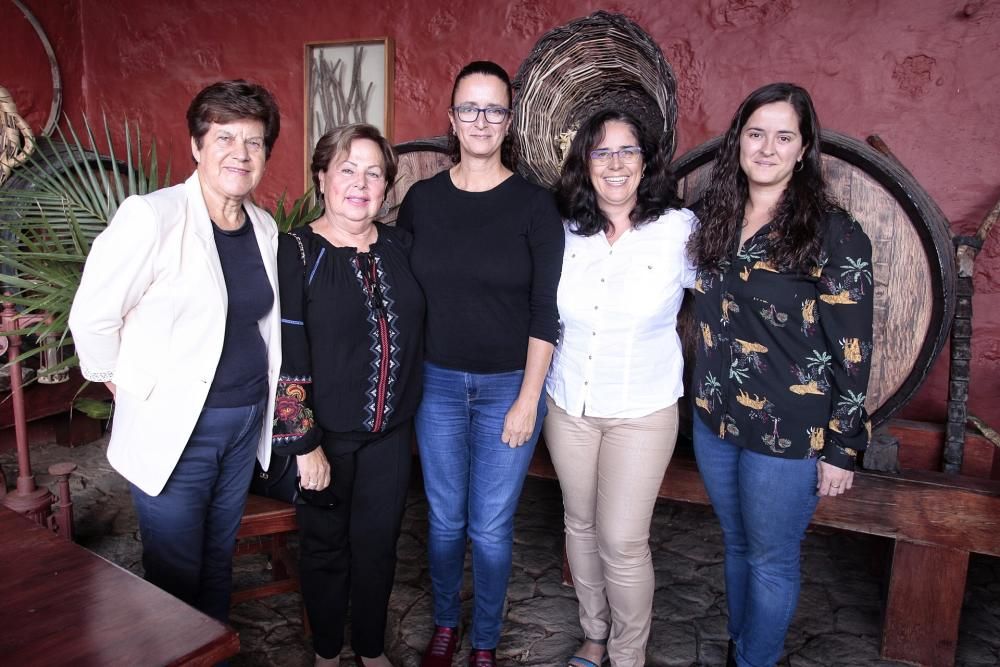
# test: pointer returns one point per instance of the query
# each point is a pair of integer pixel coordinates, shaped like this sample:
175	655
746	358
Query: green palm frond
300	213
51	210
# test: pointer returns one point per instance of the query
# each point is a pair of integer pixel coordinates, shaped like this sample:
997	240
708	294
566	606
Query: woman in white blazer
177	313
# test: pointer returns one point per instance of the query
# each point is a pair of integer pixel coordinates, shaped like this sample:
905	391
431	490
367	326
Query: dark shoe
482	657
441	648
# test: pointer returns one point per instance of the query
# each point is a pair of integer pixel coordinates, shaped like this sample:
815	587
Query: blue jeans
189	529
764	504
472	481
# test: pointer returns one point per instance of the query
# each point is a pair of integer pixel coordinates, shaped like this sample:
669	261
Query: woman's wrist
529	394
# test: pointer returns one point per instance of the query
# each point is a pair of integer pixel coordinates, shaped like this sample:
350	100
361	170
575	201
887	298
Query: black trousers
348	553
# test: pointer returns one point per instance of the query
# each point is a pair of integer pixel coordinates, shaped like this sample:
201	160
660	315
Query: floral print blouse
783	358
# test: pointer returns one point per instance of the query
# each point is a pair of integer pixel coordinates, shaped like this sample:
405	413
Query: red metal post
27	498
62	523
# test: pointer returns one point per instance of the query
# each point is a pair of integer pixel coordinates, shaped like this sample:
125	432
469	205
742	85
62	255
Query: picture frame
347	81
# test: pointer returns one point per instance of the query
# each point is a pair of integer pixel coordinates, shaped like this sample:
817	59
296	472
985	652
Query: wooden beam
918	506
926	588
921	446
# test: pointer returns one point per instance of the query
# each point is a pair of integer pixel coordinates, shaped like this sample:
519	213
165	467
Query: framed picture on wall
347	82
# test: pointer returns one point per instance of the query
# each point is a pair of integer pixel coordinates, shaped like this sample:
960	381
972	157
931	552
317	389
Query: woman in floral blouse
783	301
352	319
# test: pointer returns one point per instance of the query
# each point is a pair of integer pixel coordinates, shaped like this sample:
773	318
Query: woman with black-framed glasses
487	249
616	374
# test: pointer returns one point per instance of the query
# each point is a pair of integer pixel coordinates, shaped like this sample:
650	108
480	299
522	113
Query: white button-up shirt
619	354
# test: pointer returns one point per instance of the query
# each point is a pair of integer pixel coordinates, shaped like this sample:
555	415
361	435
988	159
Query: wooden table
63	605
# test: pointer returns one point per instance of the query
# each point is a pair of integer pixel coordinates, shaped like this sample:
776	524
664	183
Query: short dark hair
796	231
508	149
228	101
339	139
575	193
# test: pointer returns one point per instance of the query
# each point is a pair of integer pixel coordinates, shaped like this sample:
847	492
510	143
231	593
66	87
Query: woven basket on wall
600	61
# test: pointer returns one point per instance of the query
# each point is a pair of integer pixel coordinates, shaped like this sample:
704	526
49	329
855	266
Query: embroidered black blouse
352	340
783	359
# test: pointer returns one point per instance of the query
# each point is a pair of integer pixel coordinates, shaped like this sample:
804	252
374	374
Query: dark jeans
189	529
348	552
764	504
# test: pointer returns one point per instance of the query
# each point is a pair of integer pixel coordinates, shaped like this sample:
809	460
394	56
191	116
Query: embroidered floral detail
293	419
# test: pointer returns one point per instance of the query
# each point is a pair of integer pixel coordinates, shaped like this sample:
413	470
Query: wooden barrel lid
913	258
417	160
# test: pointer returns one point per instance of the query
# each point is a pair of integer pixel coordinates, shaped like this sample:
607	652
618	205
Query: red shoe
441	648
482	658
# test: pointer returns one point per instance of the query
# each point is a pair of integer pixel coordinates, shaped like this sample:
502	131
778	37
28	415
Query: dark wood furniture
264	528
63	605
936	520
48	413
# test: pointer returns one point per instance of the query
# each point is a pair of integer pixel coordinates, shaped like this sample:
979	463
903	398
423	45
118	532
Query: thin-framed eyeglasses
628	155
470	114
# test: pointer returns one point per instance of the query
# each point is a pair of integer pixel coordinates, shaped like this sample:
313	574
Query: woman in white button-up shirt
617	373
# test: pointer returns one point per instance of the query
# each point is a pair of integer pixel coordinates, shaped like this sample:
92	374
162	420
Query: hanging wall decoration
347	82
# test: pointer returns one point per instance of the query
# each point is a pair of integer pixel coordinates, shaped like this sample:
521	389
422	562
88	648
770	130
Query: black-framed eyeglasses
628	155
470	114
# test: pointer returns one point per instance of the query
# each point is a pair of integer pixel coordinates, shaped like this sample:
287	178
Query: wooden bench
936	520
264	528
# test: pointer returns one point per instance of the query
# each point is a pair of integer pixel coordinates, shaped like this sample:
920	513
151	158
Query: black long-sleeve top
352	339
783	358
489	264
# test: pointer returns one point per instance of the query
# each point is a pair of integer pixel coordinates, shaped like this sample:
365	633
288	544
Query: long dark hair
508	150
796	234
575	193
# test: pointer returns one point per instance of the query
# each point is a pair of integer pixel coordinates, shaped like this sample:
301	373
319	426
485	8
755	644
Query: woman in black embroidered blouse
352	323
783	304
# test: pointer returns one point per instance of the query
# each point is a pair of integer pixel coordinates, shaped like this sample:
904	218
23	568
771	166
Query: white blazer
150	316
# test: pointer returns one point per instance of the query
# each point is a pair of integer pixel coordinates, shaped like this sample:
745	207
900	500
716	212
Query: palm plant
858	271
819	361
852	402
50	212
300	213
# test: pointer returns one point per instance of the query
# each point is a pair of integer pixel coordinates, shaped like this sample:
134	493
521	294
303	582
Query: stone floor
837	622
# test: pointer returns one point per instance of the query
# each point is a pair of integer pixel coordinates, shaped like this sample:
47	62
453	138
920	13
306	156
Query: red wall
24	66
921	73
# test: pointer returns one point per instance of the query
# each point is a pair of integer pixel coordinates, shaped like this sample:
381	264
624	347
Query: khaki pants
610	471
